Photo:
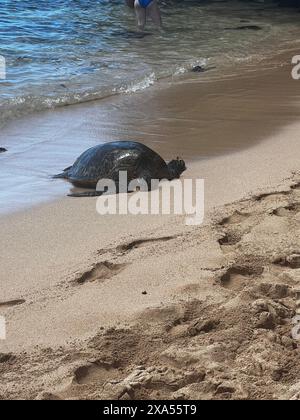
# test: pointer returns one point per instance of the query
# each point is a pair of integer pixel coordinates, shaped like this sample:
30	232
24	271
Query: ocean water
61	52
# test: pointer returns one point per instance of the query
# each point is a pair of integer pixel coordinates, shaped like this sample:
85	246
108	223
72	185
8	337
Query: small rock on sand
198	69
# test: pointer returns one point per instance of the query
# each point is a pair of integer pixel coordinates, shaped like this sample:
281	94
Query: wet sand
214	303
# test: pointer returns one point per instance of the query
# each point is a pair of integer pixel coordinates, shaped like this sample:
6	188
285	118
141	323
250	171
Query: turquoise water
67	51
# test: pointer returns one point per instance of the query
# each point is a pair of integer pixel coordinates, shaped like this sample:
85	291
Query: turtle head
176	168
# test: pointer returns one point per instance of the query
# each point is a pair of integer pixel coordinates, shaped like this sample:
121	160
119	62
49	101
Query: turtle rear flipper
63	175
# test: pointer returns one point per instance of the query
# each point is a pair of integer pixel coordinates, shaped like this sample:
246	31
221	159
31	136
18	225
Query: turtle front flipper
87	194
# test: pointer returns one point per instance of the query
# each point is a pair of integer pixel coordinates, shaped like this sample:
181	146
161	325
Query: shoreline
210	126
63	325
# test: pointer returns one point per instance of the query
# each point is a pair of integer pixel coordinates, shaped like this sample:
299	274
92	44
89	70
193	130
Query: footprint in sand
235	218
140	242
7	358
290	261
265	196
235	227
295	186
96	372
90	376
106	270
230	239
101	271
10	303
238	277
291	209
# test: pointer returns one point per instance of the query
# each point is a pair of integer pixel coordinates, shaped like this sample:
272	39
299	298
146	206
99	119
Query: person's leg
140	15
154	13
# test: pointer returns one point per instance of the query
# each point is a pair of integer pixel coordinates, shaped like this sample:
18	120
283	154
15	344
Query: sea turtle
107	160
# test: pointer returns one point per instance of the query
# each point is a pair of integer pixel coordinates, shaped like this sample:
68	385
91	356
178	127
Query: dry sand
145	307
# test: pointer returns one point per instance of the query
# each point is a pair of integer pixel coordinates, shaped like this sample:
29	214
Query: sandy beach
145	307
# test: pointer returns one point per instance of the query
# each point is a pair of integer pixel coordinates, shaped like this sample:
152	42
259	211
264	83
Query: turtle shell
107	160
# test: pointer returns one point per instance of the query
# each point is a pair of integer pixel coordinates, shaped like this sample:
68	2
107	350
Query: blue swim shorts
145	3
